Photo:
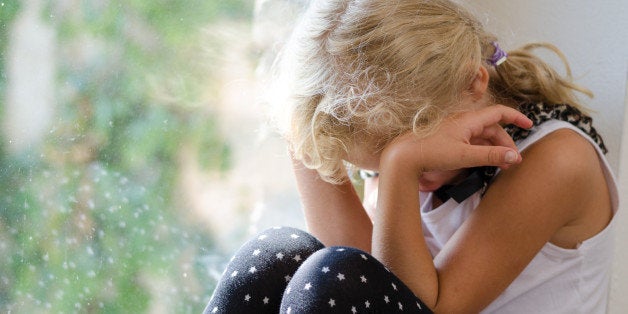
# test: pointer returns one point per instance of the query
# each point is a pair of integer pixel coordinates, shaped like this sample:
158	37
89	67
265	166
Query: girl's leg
347	280
257	275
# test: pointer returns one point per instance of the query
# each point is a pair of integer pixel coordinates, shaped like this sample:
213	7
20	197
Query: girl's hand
508	227
465	140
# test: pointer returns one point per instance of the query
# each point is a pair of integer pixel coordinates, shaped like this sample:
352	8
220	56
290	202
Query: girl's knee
346	279
281	242
333	265
258	273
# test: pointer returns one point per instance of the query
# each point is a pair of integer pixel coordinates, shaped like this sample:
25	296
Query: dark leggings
286	270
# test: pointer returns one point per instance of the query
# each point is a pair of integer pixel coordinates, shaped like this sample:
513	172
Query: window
132	154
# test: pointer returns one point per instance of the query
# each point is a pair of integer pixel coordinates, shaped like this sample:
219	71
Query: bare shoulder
564	154
562	161
566	148
554	173
564	170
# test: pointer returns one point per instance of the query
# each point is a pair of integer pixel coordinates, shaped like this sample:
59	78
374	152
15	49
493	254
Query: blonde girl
486	186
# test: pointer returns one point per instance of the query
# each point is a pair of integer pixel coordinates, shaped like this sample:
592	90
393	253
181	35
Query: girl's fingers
477	156
499	114
497	136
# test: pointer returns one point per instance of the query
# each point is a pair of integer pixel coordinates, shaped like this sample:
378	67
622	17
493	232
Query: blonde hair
360	73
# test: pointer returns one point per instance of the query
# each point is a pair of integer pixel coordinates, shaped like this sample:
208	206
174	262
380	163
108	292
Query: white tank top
557	280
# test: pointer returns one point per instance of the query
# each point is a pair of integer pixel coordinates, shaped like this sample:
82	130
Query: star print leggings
286	270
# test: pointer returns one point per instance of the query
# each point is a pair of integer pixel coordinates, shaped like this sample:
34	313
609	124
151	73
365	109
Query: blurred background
133	158
134	153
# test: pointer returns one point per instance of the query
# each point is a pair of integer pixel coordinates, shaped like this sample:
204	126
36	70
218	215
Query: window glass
133	158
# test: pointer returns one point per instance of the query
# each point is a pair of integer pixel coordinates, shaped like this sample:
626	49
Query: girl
460	214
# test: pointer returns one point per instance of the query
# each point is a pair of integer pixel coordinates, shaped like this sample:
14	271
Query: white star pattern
256	258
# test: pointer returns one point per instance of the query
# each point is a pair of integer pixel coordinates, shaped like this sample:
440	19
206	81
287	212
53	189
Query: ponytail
525	78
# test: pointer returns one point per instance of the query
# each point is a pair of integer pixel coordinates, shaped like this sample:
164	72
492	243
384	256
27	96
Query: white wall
619	302
592	35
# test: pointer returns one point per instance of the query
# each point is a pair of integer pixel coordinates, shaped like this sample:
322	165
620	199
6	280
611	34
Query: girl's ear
480	83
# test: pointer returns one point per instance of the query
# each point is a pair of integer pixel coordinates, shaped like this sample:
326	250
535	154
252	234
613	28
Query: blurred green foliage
89	219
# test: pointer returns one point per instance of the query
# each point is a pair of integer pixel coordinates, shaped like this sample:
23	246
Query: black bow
461	191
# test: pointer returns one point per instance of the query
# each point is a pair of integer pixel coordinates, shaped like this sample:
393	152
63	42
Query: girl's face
432	180
475	98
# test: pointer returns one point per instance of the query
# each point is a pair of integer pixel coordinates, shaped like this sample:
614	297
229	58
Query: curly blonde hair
360	73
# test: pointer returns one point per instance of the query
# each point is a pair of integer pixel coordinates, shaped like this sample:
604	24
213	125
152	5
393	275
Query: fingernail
511	157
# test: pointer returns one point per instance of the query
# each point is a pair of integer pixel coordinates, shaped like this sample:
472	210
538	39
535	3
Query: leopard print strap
541	112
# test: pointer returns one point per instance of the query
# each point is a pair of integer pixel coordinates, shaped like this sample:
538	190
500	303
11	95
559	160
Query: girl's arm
333	213
523	209
370	195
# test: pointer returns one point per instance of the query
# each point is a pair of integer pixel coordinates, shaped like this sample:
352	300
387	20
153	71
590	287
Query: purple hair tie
499	56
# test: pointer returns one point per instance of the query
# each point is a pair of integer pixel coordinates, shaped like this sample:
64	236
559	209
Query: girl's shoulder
574	176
